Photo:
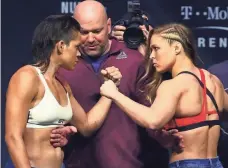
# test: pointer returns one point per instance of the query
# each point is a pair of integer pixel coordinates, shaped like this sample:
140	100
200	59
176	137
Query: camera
133	35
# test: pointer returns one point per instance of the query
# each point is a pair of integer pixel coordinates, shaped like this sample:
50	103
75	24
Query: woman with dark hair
190	102
38	101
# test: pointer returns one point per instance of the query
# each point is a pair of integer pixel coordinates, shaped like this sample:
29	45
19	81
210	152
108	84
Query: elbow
154	125
86	133
226	108
9	139
89	129
12	139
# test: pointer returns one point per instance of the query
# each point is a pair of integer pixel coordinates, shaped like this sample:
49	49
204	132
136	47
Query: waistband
210	161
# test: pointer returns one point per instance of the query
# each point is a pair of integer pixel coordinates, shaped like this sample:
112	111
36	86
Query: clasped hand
59	136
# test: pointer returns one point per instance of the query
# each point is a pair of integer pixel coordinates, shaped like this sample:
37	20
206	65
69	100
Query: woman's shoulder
212	77
26	73
24	82
27	70
180	83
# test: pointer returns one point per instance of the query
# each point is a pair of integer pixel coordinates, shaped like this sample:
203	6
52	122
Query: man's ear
60	47
109	23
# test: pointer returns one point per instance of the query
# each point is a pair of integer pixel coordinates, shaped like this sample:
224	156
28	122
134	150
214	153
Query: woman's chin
159	70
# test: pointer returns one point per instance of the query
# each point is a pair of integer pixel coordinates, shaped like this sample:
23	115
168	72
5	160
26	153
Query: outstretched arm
154	117
85	122
225	101
224	114
88	122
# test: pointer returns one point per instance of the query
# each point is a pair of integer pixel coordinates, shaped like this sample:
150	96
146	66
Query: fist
118	32
112	73
59	136
108	89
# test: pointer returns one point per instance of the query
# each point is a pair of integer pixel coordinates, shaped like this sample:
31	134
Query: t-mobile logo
186	11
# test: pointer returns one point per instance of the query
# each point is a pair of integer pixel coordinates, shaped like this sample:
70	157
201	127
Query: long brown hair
171	32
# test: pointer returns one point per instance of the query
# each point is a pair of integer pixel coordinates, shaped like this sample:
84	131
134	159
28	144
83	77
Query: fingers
111	69
177	136
60	130
119	28
63	131
118	35
118	32
179	143
116	75
145	17
56	132
57	129
173	131
114	72
55	135
104	72
108	82
142	27
59	144
73	129
109	89
145	31
58	137
111	73
58	140
55	145
55	139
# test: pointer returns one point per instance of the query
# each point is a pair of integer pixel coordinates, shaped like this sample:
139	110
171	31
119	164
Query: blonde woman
190	102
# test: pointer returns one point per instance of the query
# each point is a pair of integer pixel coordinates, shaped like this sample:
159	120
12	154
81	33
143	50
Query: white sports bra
48	112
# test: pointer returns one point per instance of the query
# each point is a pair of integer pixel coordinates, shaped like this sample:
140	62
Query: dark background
207	18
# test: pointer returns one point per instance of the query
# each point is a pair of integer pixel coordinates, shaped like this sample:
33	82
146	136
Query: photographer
119	30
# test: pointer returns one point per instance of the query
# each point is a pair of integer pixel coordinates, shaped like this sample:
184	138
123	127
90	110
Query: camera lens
133	36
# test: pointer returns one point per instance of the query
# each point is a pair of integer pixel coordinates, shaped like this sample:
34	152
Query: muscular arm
225	101
156	116
21	91
88	122
224	114
223	98
165	138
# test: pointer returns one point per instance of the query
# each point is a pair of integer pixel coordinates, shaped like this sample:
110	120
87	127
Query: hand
145	31
171	139
143	27
142	47
118	32
112	73
108	89
59	136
